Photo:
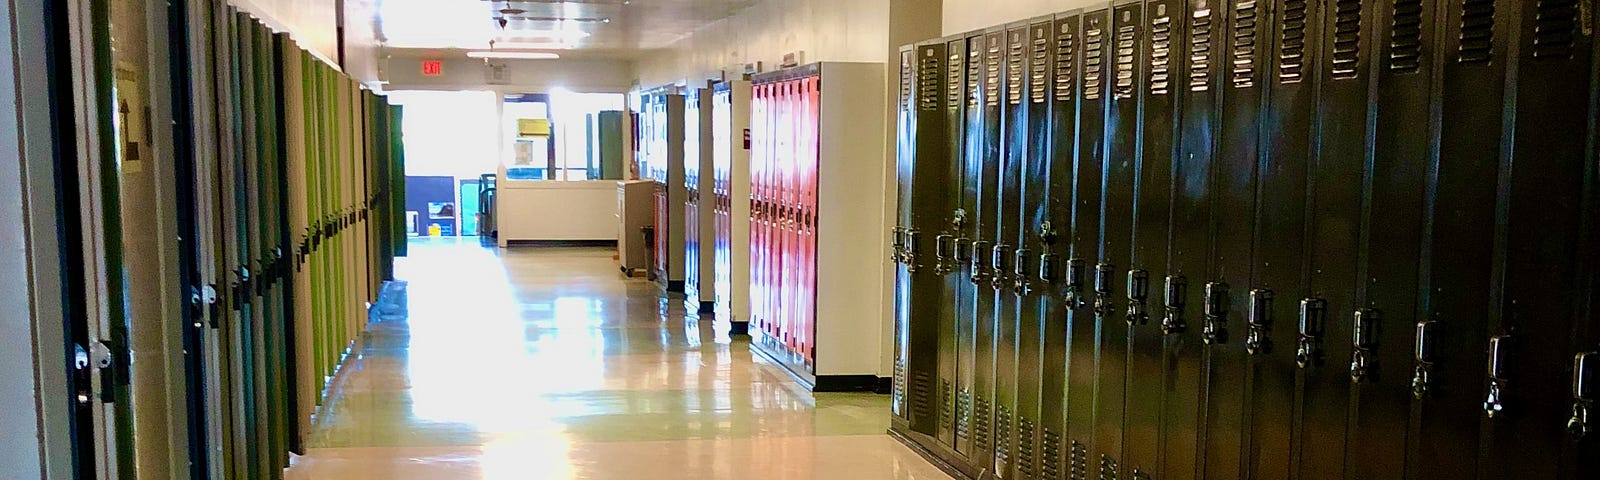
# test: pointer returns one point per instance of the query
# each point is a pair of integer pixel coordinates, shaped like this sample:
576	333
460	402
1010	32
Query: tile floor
547	364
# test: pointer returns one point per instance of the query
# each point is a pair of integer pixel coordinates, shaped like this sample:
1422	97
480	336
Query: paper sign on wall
533	127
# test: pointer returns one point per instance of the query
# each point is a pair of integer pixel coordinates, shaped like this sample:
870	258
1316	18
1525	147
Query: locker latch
1049	267
1585	374
1102	289
1363	341
898	234
1423	353
961	252
1022	273
196	306
1001	277
1258	341
1499	350
1313	316
981	254
1075	284
1172	322
1216	312
942	250
913	238
1138	294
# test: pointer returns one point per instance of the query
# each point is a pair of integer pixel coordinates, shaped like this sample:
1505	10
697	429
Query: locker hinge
1363	343
1216	312
1313	316
1258	340
1499	350
1423	354
1172	322
1585	374
1138	294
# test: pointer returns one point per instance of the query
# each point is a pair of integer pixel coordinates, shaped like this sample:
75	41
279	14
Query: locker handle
1172	322
942	246
912	252
961	251
1257	340
1049	267
1585	375
1075	284
1138	293
1001	276
1102	289
1499	351
1313	314
1021	274
1363	342
1216	312
897	234
981	254
1423	352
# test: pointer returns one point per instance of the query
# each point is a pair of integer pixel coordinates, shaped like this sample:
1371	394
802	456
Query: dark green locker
1541	185
1152	192
1013	154
1053	221
905	154
947	247
1087	290
1038	53
987	138
923	176
1280	266
1116	229
1382	335
969	359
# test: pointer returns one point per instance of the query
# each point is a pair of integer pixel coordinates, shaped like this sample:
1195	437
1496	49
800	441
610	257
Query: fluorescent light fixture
570	34
515	55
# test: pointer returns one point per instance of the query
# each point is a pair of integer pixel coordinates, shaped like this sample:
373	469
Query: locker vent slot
1244	44
1025	461
1080	461
1477	31
980	424
1405	36
1108	467
1555	28
905	79
1160	54
1002	438
974	75
991	74
1200	51
928	80
1346	38
1093	62
964	414
1014	67
954	81
900	383
1292	31
1039	67
921	395
947	406
1127	37
1064	63
1050	465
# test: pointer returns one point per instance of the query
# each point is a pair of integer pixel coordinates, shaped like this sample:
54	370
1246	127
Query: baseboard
708	306
561	243
847	383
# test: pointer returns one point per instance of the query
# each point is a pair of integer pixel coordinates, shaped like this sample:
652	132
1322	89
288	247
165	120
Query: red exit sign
432	68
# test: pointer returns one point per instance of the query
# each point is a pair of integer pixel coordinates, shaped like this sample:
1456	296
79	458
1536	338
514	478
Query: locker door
1382	337
1153	192
691	199
970	382
1337	195
193	149
1053	222
1279	267
984	239
905	150
1034	203
1088	166
1580	456
1529	399
948	261
1013	153
1116	229
1242	31
929	210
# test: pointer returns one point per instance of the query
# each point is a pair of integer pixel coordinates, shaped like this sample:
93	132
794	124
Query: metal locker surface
1089	168
1126	79
1337	194
1007	216
1162	57
971	384
1528	401
1581	453
905	150
987	138
1038	53
1280	265
1380	367
929	208
947	249
1244	33
1054	223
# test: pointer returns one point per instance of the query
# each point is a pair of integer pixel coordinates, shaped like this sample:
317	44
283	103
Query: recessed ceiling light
513	55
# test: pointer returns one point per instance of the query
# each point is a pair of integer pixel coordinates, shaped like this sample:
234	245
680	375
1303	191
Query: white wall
826	30
967	15
404	72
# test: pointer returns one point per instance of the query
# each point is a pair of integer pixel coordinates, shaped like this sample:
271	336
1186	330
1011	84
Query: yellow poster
533	127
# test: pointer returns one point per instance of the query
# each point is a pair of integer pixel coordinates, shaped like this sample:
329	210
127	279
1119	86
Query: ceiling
573	29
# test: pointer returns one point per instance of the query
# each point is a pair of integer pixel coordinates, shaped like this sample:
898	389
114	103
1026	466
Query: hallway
546	364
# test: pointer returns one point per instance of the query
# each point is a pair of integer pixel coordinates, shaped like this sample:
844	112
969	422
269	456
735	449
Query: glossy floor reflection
547	364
